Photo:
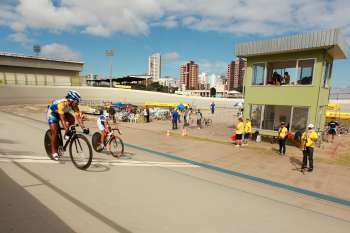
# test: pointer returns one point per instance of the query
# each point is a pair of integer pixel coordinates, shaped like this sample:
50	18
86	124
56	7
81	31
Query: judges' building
28	70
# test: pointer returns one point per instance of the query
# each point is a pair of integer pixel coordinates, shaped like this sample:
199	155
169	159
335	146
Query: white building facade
154	66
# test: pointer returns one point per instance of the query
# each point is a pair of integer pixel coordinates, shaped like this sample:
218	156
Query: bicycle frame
60	138
110	136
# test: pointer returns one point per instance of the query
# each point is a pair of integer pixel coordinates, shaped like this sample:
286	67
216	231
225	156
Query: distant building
168	82
189	76
235	74
28	70
154	64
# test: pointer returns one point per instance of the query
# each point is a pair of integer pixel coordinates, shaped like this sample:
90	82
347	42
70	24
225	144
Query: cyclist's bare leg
54	132
103	136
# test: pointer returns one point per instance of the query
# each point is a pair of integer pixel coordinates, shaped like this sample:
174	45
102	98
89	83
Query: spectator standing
247	131
308	139
282	137
147	116
332	129
212	108
199	118
174	118
239	132
112	112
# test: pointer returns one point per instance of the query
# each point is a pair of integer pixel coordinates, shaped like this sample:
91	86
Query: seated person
286	78
276	78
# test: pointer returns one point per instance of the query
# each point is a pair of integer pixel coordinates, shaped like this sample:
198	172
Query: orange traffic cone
184	132
168	133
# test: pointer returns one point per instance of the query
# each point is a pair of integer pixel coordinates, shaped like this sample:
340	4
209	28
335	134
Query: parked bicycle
113	142
80	150
207	122
343	130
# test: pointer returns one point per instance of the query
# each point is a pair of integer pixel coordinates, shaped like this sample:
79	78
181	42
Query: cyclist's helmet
310	126
106	114
73	95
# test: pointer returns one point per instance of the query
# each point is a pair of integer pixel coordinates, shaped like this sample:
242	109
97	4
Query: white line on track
41	159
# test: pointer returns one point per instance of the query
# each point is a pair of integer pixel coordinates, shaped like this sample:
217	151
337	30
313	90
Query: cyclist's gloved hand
68	134
86	131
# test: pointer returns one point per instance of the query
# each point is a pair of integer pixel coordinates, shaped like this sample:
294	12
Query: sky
181	30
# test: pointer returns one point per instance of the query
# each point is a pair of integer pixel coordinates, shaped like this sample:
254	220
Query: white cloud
171	56
21	38
59	51
137	17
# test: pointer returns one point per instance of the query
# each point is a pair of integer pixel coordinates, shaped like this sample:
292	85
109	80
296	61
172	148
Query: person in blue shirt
174	118
212	108
332	129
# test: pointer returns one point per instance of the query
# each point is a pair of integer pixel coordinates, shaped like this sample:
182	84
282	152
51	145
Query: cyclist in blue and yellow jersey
59	111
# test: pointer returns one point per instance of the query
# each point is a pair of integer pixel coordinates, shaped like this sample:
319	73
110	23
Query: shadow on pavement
21	212
97	167
7	141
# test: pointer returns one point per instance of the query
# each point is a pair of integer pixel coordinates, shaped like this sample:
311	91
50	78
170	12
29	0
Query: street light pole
110	53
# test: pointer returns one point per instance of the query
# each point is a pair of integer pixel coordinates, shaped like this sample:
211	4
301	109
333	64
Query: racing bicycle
114	143
80	150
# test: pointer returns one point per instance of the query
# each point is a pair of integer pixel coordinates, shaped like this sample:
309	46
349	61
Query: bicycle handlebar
116	129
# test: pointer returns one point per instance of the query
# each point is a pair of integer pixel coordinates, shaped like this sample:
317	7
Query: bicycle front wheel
116	147
80	152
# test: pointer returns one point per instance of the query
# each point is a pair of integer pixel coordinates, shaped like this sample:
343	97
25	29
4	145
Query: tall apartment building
235	74
189	76
154	66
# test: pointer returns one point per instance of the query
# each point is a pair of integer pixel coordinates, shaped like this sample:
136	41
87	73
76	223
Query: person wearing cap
308	139
247	131
282	137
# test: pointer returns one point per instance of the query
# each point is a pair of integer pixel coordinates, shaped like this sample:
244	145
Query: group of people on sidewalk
243	133
308	140
187	116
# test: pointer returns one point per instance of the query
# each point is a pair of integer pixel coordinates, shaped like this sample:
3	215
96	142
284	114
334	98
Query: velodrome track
142	192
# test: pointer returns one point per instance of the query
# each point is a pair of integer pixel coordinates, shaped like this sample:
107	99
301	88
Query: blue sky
200	30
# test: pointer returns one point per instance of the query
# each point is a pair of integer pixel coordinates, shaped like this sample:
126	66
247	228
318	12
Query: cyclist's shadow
97	167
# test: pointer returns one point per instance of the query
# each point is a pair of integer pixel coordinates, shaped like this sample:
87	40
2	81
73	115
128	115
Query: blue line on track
306	192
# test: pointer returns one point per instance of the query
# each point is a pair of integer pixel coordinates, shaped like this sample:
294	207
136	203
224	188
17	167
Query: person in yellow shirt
282	138
239	132
247	131
308	139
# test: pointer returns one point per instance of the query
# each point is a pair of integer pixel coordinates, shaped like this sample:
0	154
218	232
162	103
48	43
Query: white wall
45	94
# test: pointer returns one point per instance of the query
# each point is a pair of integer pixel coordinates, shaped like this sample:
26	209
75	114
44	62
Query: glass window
258	74
300	116
281	72
274	115
255	115
305	71
269	116
327	67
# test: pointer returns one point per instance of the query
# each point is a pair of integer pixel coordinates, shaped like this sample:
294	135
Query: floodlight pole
110	53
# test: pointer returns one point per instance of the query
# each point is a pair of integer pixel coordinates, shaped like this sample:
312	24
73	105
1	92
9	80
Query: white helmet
106	114
310	126
73	95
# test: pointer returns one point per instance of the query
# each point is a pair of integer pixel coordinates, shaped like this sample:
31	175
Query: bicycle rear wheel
116	147
47	143
80	151
96	141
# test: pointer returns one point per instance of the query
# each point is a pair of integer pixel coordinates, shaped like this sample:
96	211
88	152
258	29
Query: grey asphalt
139	193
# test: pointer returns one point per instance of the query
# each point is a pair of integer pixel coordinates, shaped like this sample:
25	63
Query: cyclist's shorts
52	117
100	125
